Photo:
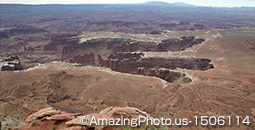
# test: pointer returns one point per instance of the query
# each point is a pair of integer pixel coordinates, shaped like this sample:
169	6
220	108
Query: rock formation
48	118
178	44
68	49
65	39
134	63
50	47
29	49
95	44
86	59
123	55
166	74
200	26
115	45
42	113
166	45
10	63
135	60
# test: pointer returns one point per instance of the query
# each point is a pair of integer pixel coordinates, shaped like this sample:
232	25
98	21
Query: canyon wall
134	63
60	40
86	59
110	46
125	55
173	44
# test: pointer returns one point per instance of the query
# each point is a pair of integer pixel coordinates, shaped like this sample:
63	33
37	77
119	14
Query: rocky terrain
101	52
191	85
59	62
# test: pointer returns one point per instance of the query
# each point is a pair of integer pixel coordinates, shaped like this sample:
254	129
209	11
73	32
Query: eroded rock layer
126	55
119	55
134	63
164	46
84	60
10	63
115	45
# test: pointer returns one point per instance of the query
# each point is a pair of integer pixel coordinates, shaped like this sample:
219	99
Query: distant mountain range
167	4
150	3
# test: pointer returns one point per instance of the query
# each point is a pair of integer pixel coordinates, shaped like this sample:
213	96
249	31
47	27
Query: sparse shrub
53	127
149	128
34	122
15	128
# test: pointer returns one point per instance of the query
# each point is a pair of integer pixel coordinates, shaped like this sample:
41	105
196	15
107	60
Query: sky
214	3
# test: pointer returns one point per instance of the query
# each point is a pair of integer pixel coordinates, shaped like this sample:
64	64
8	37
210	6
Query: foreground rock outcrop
49	118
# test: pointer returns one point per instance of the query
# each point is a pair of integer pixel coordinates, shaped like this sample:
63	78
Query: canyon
59	62
125	55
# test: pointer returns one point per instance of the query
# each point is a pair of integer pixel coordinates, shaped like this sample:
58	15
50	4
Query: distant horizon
205	3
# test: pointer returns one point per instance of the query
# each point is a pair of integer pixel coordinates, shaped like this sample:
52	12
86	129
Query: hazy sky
217	3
